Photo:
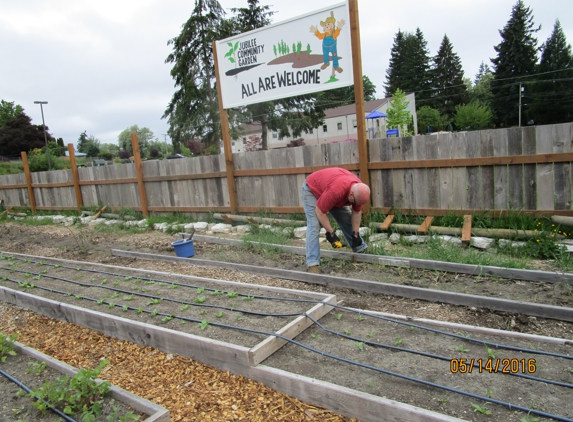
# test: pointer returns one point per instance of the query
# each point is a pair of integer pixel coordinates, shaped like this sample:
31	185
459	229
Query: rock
69	221
364	231
159	226
300	232
97	221
415	239
244	228
395	238
504	243
481	242
222	228
200	227
86	220
450	239
189	227
378	236
111	222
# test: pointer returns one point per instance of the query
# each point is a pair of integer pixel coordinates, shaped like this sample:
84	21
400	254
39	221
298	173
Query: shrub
124	155
105	155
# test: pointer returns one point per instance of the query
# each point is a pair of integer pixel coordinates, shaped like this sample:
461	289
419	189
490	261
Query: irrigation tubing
345	360
429	355
433	330
28	390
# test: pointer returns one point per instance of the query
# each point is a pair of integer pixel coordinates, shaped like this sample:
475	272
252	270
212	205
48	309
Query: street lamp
45	137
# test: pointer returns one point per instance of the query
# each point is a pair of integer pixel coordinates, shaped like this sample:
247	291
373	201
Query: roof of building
349	109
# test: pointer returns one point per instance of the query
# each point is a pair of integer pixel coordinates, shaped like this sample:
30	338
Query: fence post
139	171
226	135
76	177
359	99
29	181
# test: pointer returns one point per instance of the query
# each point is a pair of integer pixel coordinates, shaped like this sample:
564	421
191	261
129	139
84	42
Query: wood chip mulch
190	390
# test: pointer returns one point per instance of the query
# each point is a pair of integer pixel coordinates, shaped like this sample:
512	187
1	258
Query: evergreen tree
516	58
394	73
483	71
193	111
448	87
552	94
344	96
409	68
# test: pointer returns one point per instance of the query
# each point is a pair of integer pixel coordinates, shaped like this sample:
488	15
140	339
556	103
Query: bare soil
355	338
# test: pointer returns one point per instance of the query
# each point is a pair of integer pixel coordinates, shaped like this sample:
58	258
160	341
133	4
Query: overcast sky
101	64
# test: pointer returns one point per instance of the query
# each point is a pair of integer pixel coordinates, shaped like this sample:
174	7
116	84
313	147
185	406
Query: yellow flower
538	240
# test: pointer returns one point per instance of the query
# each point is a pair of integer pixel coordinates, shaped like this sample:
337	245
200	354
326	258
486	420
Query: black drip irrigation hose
433	330
28	390
341	359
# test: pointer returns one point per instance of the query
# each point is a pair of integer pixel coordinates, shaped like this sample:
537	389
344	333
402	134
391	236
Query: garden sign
306	54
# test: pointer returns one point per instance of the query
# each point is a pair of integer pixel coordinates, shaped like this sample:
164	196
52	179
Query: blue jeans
342	217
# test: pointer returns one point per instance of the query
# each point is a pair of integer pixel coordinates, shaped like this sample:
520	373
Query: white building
339	124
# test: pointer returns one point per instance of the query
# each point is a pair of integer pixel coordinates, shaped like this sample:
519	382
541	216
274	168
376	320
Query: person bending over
342	194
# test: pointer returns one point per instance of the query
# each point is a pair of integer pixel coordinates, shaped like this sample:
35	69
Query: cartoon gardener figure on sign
328	38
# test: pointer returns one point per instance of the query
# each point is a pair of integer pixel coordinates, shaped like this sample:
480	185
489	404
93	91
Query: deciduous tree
19	134
8	110
399	116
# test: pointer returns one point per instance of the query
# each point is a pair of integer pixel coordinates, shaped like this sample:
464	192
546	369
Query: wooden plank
139	172
486	171
421	180
541	158
467	229
226	218
515	172
432	175
459	175
446	187
398	185
543	135
561	140
473	173
271	344
387	222
423	229
500	171
490	212
409	183
529	181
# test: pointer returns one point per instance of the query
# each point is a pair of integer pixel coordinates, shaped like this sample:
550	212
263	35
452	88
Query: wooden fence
526	169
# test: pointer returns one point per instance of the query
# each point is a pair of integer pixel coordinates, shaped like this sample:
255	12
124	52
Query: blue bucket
184	248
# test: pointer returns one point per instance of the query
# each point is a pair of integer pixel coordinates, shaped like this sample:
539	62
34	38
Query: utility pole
165	140
45	137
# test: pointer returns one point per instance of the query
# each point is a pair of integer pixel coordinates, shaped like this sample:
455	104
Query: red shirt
331	186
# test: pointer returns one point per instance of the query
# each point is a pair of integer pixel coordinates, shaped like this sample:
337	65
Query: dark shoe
313	269
324	66
338	69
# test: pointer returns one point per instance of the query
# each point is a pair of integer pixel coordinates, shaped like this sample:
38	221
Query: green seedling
7	346
154	312
232	294
216	293
111	305
128	278
203	324
144	290
137	280
412	328
27	275
135	288
149	282
360	345
44	272
339	317
37	277
490	352
55	266
167	318
219	315
173	286
139	310
239	318
315	336
489	393
184	307
128	298
482	409
462	349
182	321
154	302
68	294
443	401
360	318
202	313
248	298
125	308
161	283
398	342
347	332
116	283
100	302
529	418
78	297
104	281
116	294
200	290
370	335
200	299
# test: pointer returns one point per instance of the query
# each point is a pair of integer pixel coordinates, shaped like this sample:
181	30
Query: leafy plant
462	349
529	418
339	317
232	294
154	302
490	352
7	346
200	299
219	315
203	324
315	336
398	342
482	409
184	307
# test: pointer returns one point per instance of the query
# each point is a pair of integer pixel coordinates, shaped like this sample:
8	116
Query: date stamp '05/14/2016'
504	366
